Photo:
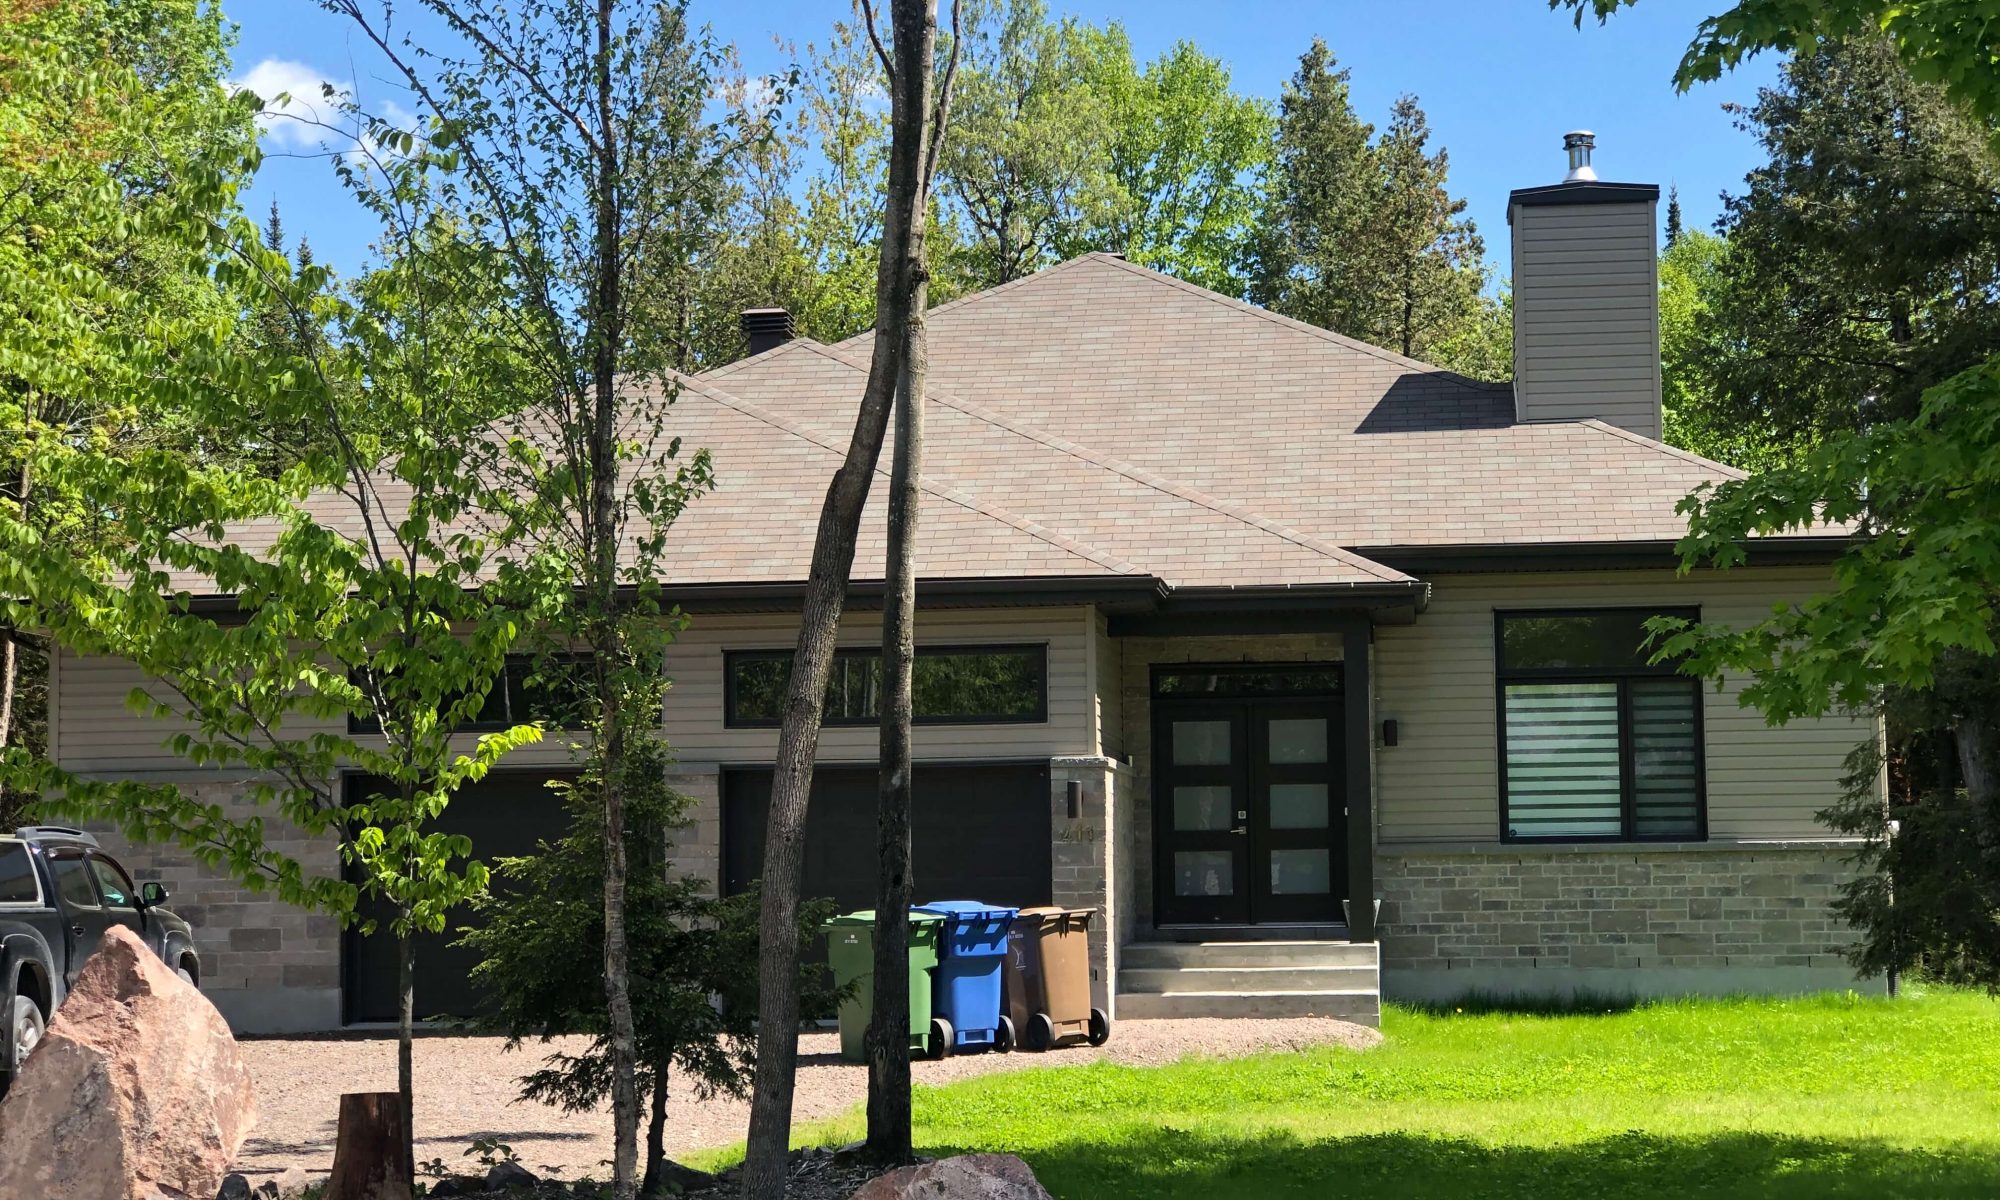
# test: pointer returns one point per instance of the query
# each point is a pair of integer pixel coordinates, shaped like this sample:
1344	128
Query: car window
73	882
17	875
117	890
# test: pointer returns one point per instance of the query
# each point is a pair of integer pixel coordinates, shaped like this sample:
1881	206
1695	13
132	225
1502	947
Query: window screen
1598	742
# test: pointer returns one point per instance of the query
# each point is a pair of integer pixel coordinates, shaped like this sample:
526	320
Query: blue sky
1501	80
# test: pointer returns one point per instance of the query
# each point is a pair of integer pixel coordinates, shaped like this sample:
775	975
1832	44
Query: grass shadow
1549	1004
1168	1162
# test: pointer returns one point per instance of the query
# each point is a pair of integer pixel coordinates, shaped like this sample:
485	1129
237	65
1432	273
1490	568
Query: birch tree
919	113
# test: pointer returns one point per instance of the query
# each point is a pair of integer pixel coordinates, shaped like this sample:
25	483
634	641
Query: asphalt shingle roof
1101	420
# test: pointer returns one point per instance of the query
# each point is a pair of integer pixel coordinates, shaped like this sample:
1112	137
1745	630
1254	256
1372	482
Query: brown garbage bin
1046	984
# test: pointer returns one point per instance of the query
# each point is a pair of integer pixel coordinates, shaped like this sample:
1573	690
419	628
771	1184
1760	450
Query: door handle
77	930
1244	829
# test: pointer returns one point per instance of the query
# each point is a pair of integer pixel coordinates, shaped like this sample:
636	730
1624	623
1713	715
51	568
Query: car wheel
187	976
24	1030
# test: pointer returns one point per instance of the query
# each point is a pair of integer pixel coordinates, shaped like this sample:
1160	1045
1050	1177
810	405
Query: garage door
505	815
975	832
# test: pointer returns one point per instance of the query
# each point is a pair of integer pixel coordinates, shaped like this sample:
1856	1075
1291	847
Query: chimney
1586	298
766	328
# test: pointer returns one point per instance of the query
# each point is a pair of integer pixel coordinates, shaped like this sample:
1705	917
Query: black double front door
1249	809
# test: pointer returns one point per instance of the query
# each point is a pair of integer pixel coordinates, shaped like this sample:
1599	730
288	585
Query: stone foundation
1640	921
269	966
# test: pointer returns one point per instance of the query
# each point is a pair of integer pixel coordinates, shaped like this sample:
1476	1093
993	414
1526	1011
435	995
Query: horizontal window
949	685
556	696
1310	679
1597	742
1608	640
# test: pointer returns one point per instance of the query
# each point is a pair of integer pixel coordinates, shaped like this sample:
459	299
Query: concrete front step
1251	979
1360	1007
1163	980
1172	955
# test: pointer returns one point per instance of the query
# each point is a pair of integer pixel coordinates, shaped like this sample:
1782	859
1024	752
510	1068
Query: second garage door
506	815
979	832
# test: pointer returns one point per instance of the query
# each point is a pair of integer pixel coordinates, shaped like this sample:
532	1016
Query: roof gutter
1594	556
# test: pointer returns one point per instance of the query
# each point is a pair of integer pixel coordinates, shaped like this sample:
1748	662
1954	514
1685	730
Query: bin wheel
1100	1027
1041	1032
942	1038
1003	1035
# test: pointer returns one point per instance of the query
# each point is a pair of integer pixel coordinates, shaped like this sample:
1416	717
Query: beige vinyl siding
1435	678
1587	314
694	721
94	731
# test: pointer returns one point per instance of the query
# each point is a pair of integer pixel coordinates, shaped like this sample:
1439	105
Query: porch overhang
1294	608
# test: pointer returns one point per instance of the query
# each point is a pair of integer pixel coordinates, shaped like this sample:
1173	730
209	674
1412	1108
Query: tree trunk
10	642
1976	747
607	334
406	1031
915	23
10	671
656	1139
889	1045
370	1152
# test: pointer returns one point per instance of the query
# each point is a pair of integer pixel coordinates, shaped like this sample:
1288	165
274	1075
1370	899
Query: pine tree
1673	216
1364	238
1423	260
1316	199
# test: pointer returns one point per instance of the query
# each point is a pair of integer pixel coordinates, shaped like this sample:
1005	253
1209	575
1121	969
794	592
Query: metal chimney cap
1579	143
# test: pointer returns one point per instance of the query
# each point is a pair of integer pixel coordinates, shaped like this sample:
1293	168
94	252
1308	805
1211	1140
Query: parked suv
59	895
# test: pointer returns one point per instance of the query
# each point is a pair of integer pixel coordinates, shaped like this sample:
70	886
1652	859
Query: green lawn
1828	1096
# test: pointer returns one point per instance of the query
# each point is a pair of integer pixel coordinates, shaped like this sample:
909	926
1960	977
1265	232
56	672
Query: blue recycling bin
966	996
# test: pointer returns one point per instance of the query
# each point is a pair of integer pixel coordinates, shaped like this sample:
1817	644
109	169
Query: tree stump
371	1153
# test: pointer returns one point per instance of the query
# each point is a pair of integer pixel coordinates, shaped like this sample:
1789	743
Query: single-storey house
1314	669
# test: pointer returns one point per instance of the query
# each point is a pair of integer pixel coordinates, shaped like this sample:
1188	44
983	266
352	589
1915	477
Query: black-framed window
1247	679
949	685
1597	743
529	689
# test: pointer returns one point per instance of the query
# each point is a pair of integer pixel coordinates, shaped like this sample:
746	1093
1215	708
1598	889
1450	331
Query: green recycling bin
850	951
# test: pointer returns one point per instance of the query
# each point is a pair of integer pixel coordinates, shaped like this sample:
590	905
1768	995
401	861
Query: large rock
136	1093
967	1177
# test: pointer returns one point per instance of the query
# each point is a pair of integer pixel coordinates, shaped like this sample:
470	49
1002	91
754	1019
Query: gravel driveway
465	1089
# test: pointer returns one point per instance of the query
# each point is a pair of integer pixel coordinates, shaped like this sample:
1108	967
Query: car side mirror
152	895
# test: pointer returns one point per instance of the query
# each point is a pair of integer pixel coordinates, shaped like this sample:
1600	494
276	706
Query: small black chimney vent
765	328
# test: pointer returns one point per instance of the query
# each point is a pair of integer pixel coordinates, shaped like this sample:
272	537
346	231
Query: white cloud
308	118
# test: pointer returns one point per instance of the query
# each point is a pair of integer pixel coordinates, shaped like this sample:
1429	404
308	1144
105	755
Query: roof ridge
1604	426
729	368
1296	325
1034	529
974	297
1137	474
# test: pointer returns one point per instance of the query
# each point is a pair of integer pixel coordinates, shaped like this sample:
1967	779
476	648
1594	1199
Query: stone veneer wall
269	966
1560	920
698	848
1084	856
